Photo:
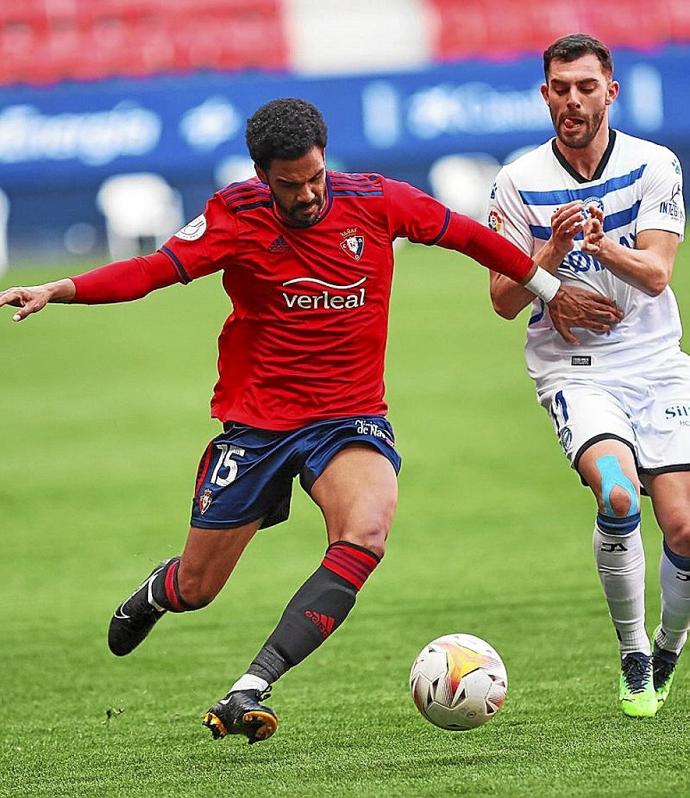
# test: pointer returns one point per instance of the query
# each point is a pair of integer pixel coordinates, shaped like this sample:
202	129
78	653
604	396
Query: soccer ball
458	682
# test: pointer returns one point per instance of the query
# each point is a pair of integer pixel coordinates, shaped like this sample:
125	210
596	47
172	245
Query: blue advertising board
58	143
75	134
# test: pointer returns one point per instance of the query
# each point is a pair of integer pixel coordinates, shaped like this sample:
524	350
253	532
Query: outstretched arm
116	282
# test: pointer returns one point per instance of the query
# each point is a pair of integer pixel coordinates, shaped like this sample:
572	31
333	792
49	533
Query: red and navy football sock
316	610
166	591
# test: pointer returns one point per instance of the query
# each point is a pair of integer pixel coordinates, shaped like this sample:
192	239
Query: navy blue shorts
246	473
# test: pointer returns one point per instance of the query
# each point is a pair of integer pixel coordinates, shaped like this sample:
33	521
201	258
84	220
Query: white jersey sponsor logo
331	297
678	413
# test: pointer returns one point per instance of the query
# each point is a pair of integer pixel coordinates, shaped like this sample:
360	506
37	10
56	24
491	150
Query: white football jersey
638	185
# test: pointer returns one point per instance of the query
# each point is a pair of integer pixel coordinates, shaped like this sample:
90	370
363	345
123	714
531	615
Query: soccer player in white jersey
604	210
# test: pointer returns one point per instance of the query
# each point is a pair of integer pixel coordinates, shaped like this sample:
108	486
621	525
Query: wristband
544	284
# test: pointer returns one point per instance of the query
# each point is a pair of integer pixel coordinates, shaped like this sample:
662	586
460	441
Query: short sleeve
413	214
506	213
661	204
204	245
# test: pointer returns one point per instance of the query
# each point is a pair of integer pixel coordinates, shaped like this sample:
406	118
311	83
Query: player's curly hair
287	128
574	46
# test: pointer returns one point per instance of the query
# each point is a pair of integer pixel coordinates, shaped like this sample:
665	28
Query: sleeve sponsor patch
495	221
193	230
673	206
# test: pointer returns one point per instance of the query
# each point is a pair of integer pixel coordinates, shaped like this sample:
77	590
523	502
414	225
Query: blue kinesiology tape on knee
612	476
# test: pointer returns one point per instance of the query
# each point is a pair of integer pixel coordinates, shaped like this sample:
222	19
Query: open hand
31	299
578	307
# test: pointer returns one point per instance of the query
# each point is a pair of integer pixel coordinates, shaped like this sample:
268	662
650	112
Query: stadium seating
139	209
463	182
504	29
43	41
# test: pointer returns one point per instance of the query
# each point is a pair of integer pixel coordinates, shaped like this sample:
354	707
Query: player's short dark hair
287	129
574	46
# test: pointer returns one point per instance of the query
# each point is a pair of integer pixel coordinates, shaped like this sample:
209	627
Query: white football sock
675	601
249	682
621	565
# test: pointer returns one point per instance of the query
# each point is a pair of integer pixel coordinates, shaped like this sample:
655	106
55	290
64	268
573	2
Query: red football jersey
307	336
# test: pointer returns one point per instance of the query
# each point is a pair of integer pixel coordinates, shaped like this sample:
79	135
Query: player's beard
293	212
584	134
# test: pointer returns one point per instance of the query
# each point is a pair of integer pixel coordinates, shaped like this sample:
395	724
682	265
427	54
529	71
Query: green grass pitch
103	416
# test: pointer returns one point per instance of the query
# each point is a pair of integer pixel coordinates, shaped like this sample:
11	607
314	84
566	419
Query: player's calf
317	609
140	612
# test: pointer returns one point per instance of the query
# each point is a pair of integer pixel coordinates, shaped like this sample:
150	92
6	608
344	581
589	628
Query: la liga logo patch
495	221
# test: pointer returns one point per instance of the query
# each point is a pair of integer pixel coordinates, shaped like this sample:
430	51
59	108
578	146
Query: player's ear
261	174
612	91
545	92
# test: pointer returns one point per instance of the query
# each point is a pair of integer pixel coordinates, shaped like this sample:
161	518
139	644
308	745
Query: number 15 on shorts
226	464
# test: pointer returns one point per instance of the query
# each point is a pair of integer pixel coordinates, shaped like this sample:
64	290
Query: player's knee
195	589
370	534
677	535
618	497
622	502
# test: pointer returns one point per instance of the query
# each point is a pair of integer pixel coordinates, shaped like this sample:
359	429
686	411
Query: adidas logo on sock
324	622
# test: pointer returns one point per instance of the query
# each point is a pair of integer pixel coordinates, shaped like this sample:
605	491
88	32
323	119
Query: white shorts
649	411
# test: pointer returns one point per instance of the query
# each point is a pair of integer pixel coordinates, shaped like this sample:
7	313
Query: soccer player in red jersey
307	261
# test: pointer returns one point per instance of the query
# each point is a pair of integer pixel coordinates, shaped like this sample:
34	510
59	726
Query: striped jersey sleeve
661	205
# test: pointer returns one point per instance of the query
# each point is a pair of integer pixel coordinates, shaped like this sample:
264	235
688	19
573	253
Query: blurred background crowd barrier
119	117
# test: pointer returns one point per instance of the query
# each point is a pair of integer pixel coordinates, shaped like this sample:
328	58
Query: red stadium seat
48	40
677	13
29	12
640	27
507	28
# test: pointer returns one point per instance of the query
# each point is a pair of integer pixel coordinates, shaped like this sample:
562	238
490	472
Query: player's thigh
357	493
670	495
663	418
597	436
208	559
244	474
583	414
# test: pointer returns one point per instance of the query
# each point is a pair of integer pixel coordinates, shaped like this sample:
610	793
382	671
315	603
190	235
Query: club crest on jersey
352	243
193	230
205	500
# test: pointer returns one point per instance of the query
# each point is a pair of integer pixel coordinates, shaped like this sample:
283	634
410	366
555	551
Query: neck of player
586	159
